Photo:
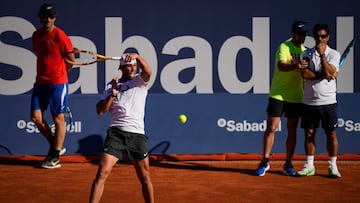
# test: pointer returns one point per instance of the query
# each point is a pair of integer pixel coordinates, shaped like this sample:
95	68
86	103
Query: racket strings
85	57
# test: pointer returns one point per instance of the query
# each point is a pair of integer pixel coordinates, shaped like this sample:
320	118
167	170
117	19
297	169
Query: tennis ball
182	118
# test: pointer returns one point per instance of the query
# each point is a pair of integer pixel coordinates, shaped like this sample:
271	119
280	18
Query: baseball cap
47	10
299	26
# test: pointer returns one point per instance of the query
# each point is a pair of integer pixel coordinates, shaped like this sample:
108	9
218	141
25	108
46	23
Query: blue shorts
277	108
55	96
312	116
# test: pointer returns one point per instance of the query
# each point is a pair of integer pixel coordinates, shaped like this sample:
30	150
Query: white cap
124	63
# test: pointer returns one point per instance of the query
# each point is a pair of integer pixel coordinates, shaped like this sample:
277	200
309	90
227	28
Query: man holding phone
285	97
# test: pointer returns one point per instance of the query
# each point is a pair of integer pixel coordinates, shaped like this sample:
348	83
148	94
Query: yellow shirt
287	85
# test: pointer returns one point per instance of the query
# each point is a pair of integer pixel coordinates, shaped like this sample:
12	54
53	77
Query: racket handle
117	58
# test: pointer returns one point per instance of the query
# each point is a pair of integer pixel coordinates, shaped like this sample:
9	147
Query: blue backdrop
212	61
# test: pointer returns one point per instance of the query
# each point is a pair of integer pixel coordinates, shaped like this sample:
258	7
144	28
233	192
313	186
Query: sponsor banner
192	46
211	61
234	123
217	123
19	134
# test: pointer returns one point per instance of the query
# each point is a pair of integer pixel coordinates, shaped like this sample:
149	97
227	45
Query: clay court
178	179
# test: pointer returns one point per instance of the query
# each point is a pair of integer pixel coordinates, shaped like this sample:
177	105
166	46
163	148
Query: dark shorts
277	108
126	146
55	96
312	116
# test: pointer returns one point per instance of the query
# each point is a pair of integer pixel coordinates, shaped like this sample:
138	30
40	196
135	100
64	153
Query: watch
322	55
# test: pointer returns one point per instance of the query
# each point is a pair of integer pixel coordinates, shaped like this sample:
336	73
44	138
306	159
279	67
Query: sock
310	160
332	160
51	143
54	153
266	160
288	163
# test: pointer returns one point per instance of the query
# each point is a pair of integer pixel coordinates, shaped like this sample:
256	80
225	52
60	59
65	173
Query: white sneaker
62	151
307	170
333	171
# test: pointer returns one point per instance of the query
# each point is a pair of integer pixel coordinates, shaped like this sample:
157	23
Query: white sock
332	160
310	160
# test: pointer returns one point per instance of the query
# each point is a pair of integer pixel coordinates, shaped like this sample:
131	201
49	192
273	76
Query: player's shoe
62	151
263	167
51	163
289	170
307	171
333	171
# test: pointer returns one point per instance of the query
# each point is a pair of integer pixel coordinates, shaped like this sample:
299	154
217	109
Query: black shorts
277	108
126	146
312	116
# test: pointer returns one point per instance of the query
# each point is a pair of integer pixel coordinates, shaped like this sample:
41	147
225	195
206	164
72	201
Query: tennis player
125	100
51	46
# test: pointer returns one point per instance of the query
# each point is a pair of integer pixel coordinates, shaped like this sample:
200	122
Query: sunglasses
321	36
51	16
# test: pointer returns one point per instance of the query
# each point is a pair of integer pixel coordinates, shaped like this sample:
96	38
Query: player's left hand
115	87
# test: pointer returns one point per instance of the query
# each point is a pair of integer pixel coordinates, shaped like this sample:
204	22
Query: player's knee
102	175
271	129
35	119
59	120
309	133
144	177
146	180
331	136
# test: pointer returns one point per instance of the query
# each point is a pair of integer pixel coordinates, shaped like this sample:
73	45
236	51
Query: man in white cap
125	100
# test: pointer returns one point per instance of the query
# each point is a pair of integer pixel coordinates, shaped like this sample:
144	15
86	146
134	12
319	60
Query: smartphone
307	59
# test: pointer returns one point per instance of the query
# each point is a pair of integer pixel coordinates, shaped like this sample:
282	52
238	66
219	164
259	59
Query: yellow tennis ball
182	118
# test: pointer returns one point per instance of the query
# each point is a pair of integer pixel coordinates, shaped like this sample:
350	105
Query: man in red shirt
51	46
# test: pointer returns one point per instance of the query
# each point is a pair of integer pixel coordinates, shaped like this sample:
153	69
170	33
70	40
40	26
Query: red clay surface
185	179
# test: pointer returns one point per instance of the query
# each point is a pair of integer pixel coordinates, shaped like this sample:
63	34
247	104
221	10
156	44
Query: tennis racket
85	57
69	117
346	52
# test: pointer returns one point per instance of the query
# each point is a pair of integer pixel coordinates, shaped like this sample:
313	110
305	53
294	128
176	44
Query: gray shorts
126	146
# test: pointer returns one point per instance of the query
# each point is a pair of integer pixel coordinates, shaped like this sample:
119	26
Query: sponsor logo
348	125
243	126
30	127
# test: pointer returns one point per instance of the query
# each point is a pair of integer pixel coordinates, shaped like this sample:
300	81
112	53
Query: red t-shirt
51	49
